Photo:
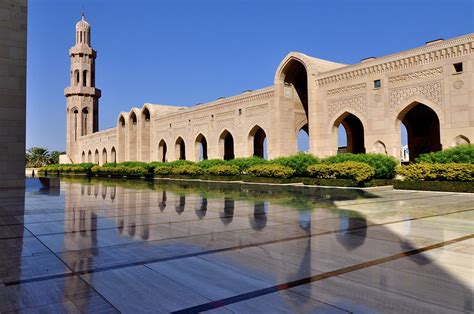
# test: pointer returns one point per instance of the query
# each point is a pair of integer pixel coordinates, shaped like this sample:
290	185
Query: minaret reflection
104	192
351	221
228	215
162	203
258	220
113	190
202	210
180	206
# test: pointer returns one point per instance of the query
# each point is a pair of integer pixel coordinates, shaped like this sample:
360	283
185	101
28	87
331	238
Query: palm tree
37	157
54	157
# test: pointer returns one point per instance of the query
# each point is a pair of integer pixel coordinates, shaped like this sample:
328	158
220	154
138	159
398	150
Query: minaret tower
82	96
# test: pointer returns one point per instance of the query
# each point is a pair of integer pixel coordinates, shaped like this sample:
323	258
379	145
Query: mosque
428	89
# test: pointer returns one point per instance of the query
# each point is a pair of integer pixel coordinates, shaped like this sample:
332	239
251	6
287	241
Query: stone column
13	25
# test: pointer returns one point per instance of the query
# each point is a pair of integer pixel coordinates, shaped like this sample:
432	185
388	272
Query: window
377	84
240	112
458	67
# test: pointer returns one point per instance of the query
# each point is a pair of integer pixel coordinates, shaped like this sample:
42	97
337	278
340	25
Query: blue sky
183	52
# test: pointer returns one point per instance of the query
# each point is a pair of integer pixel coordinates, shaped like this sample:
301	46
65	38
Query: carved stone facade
431	86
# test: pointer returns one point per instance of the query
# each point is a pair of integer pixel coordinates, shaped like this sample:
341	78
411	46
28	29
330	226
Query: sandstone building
430	89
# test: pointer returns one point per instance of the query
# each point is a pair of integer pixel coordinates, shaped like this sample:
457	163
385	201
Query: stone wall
13	25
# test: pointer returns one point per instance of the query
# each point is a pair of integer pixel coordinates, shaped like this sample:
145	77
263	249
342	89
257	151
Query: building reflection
227	215
202	209
259	219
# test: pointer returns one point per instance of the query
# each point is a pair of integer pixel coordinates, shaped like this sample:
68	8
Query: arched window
84	78
83	157
200	148
75	112
180	151
85	113
96	157
122	121
104	156
162	150
89	156
76	77
258	142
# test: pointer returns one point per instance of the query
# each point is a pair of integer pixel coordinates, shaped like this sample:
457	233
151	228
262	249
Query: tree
54	156
37	157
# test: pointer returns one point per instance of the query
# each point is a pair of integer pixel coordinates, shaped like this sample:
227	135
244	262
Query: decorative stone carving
346	89
458	84
432	91
300	120
415	75
357	102
377	97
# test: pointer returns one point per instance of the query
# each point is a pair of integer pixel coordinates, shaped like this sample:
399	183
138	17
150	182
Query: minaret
82	96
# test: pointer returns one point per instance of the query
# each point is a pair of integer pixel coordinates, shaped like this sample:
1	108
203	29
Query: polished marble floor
175	246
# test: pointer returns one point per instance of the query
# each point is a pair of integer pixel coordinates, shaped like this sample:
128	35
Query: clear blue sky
185	52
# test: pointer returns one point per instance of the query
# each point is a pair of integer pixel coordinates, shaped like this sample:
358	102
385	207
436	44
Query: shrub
458	154
178	163
163	169
383	165
68	168
188	170
440	172
358	171
247	162
298	162
224	170
208	163
271	171
120	170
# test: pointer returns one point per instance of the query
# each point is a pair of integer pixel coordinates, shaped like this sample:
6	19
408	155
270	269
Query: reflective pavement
105	245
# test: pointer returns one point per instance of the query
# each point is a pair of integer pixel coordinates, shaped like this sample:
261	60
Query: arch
162	150
96	156
104	156
75	112
76	77
113	155
257	142
226	145
122	121
132	137
354	129
180	149
461	140
84	78
121	136
89	156
293	88
145	130
85	121
380	147
423	129
200	147
83	157
302	137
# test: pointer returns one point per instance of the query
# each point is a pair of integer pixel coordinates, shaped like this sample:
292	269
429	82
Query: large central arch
423	129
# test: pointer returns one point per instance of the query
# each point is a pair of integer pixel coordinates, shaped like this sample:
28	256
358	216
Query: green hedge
458	154
437	172
444	186
224	170
138	171
299	162
383	165
68	168
187	170
271	171
247	162
358	171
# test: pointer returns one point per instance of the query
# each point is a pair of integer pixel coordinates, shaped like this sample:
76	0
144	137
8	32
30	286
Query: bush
224	170
383	165
208	163
247	162
458	154
163	170
188	170
358	171
178	163
438	172
68	168
298	162
271	171
120	170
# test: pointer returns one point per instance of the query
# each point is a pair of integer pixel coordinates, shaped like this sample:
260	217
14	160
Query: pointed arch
145	134
113	155
461	140
162	151
226	145
122	136
423	128
354	130
200	147
257	140
132	136
84	78
96	156
180	149
104	156
83	157
89	156
85	121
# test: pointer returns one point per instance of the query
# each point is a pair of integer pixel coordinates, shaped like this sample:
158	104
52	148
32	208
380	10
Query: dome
82	24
